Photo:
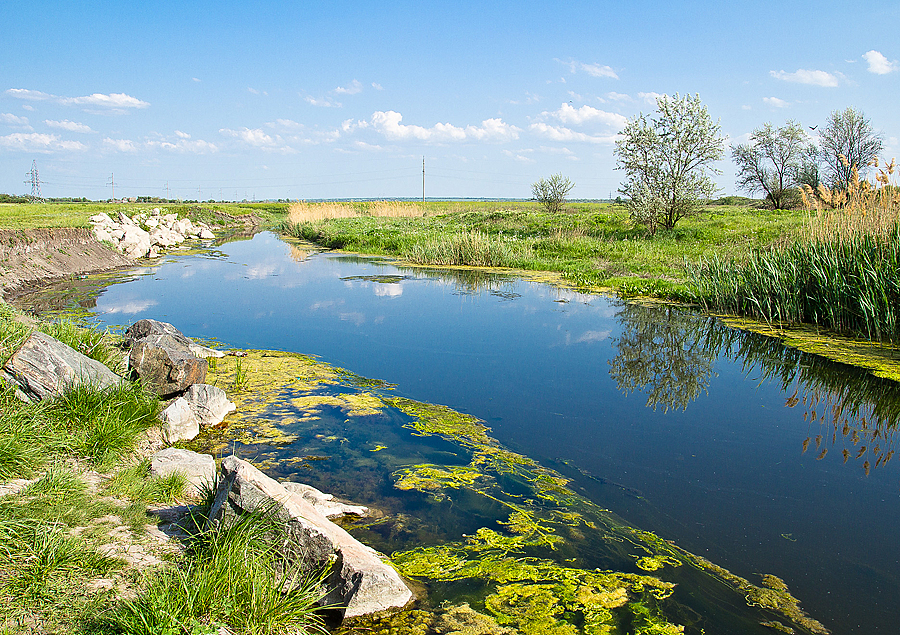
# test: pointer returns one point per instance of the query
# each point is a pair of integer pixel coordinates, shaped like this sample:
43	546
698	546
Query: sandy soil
36	256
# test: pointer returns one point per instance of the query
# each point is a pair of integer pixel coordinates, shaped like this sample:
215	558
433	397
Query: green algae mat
491	541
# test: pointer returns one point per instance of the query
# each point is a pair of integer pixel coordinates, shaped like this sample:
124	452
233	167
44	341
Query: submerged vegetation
500	543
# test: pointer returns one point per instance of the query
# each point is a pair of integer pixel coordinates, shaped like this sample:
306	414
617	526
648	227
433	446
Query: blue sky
303	100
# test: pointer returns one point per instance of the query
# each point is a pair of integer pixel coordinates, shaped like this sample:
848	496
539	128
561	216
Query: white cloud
649	98
185	145
112	103
614	96
121	145
286	124
775	102
182	135
71	126
322	103
518	156
377	86
879	64
12	120
24	93
195	79
577	116
255	137
38	142
389	124
803	76
595	70
560	133
352	88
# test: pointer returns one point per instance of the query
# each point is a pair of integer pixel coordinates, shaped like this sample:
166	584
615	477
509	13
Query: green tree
772	161
848	142
552	192
668	161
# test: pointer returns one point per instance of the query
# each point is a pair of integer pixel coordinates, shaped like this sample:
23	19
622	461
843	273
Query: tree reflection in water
662	352
668	353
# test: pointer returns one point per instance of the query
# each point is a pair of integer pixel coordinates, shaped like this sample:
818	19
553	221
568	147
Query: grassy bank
590	244
73	516
35	215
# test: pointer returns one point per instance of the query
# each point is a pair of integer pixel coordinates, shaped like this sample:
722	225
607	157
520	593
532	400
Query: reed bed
473	249
303	212
843	273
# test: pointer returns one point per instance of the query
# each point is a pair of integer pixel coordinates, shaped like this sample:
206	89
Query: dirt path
36	256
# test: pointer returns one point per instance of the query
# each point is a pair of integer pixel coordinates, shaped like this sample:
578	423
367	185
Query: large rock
45	367
153	330
324	503
209	403
200	469
359	581
179	422
166	367
201	405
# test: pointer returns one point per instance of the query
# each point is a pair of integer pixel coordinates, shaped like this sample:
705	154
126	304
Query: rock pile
142	235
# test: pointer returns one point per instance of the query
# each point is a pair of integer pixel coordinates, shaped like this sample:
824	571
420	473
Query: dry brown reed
302	211
863	209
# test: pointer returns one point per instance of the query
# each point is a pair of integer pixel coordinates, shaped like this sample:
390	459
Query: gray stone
209	403
360	580
200	469
45	367
152	329
179	422
325	503
165	367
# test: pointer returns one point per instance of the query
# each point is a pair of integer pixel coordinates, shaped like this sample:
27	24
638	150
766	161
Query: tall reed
842	274
303	212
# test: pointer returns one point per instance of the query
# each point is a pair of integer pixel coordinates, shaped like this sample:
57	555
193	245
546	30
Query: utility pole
167	191
423	179
35	180
112	181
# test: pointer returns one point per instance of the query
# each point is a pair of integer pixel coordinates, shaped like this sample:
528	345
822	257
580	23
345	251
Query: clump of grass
231	577
474	249
22	437
241	375
101	425
135	484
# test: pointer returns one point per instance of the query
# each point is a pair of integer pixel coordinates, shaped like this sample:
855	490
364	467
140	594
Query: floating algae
501	543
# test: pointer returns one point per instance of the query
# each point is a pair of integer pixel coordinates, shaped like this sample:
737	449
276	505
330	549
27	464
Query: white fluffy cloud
254	137
803	76
595	70
389	124
775	102
561	133
71	126
12	120
112	103
570	115
185	145
879	64
38	142
120	145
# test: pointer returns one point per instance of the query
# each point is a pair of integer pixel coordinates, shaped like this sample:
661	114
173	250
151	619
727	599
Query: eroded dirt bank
35	256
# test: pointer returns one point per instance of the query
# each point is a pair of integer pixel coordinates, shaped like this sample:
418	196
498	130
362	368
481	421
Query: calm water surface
680	425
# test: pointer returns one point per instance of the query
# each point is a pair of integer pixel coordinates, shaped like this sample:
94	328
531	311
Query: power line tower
35	180
112	181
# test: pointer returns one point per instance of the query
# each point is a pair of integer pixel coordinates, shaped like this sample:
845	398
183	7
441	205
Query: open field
591	244
37	215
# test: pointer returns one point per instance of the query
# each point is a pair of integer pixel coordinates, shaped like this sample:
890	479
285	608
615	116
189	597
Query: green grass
590	244
850	285
134	483
231	577
20	216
